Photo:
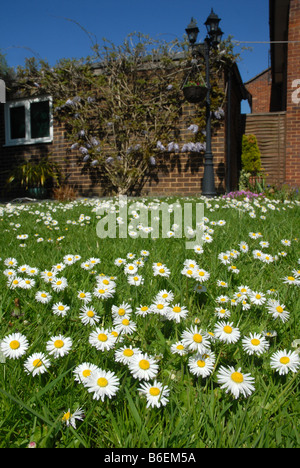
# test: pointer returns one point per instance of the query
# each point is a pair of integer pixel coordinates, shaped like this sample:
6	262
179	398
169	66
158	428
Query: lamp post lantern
212	40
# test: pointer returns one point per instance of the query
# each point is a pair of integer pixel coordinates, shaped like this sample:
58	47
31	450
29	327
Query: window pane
40	119
17	122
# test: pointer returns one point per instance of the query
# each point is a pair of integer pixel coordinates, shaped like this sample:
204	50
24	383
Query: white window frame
27	140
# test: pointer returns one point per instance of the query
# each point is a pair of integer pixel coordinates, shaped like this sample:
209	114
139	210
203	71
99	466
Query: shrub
251	157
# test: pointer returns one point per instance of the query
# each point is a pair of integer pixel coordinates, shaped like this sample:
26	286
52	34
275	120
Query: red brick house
28	130
275	117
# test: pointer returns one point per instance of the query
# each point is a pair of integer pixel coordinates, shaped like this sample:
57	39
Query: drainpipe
228	136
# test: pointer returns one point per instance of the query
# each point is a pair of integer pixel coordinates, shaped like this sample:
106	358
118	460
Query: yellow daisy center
154	391
90	313
279	309
144	364
66	416
58	343
197	338
255	342
284	360
144	308
227	329
102	382
102	337
128	352
200	363
180	347
125	322
37	363
61	308
14	344
86	373
176	309
121	311
237	377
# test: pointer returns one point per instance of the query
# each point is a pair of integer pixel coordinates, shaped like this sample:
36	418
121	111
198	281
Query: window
28	121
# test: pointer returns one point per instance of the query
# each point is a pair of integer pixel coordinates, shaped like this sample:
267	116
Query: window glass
39	119
17	122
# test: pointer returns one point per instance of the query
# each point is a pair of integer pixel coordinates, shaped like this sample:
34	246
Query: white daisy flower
126	354
36	364
235	382
220	312
58	267
59	284
59	346
105	281
43	297
14	282
194	339
86	297
130	269
156	394
102	384
70	418
119	261
124	325
83	371
285	361
143	367
257	298
255	344
202	365
135	280
48	276
104	292
187	271
88	316
69	259
32	271
102	339
165	296
27	283
14	346
60	309
10	273
178	348
291	280
226	332
11	262
176	312
201	275
142	310
160	307
161	271
123	310
277	310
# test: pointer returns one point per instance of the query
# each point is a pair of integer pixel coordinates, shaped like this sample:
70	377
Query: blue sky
39	27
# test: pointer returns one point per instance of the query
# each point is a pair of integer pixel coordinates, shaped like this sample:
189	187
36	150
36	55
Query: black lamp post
203	49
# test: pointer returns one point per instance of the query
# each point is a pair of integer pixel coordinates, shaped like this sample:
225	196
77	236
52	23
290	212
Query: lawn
141	342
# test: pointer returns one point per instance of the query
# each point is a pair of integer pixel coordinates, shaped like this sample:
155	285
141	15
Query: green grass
199	413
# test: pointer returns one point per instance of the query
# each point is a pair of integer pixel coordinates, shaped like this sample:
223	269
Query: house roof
278	23
267	70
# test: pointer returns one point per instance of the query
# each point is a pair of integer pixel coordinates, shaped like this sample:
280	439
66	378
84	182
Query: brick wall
260	88
293	108
179	174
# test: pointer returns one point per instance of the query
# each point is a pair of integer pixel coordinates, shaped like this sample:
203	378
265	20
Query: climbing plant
121	106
